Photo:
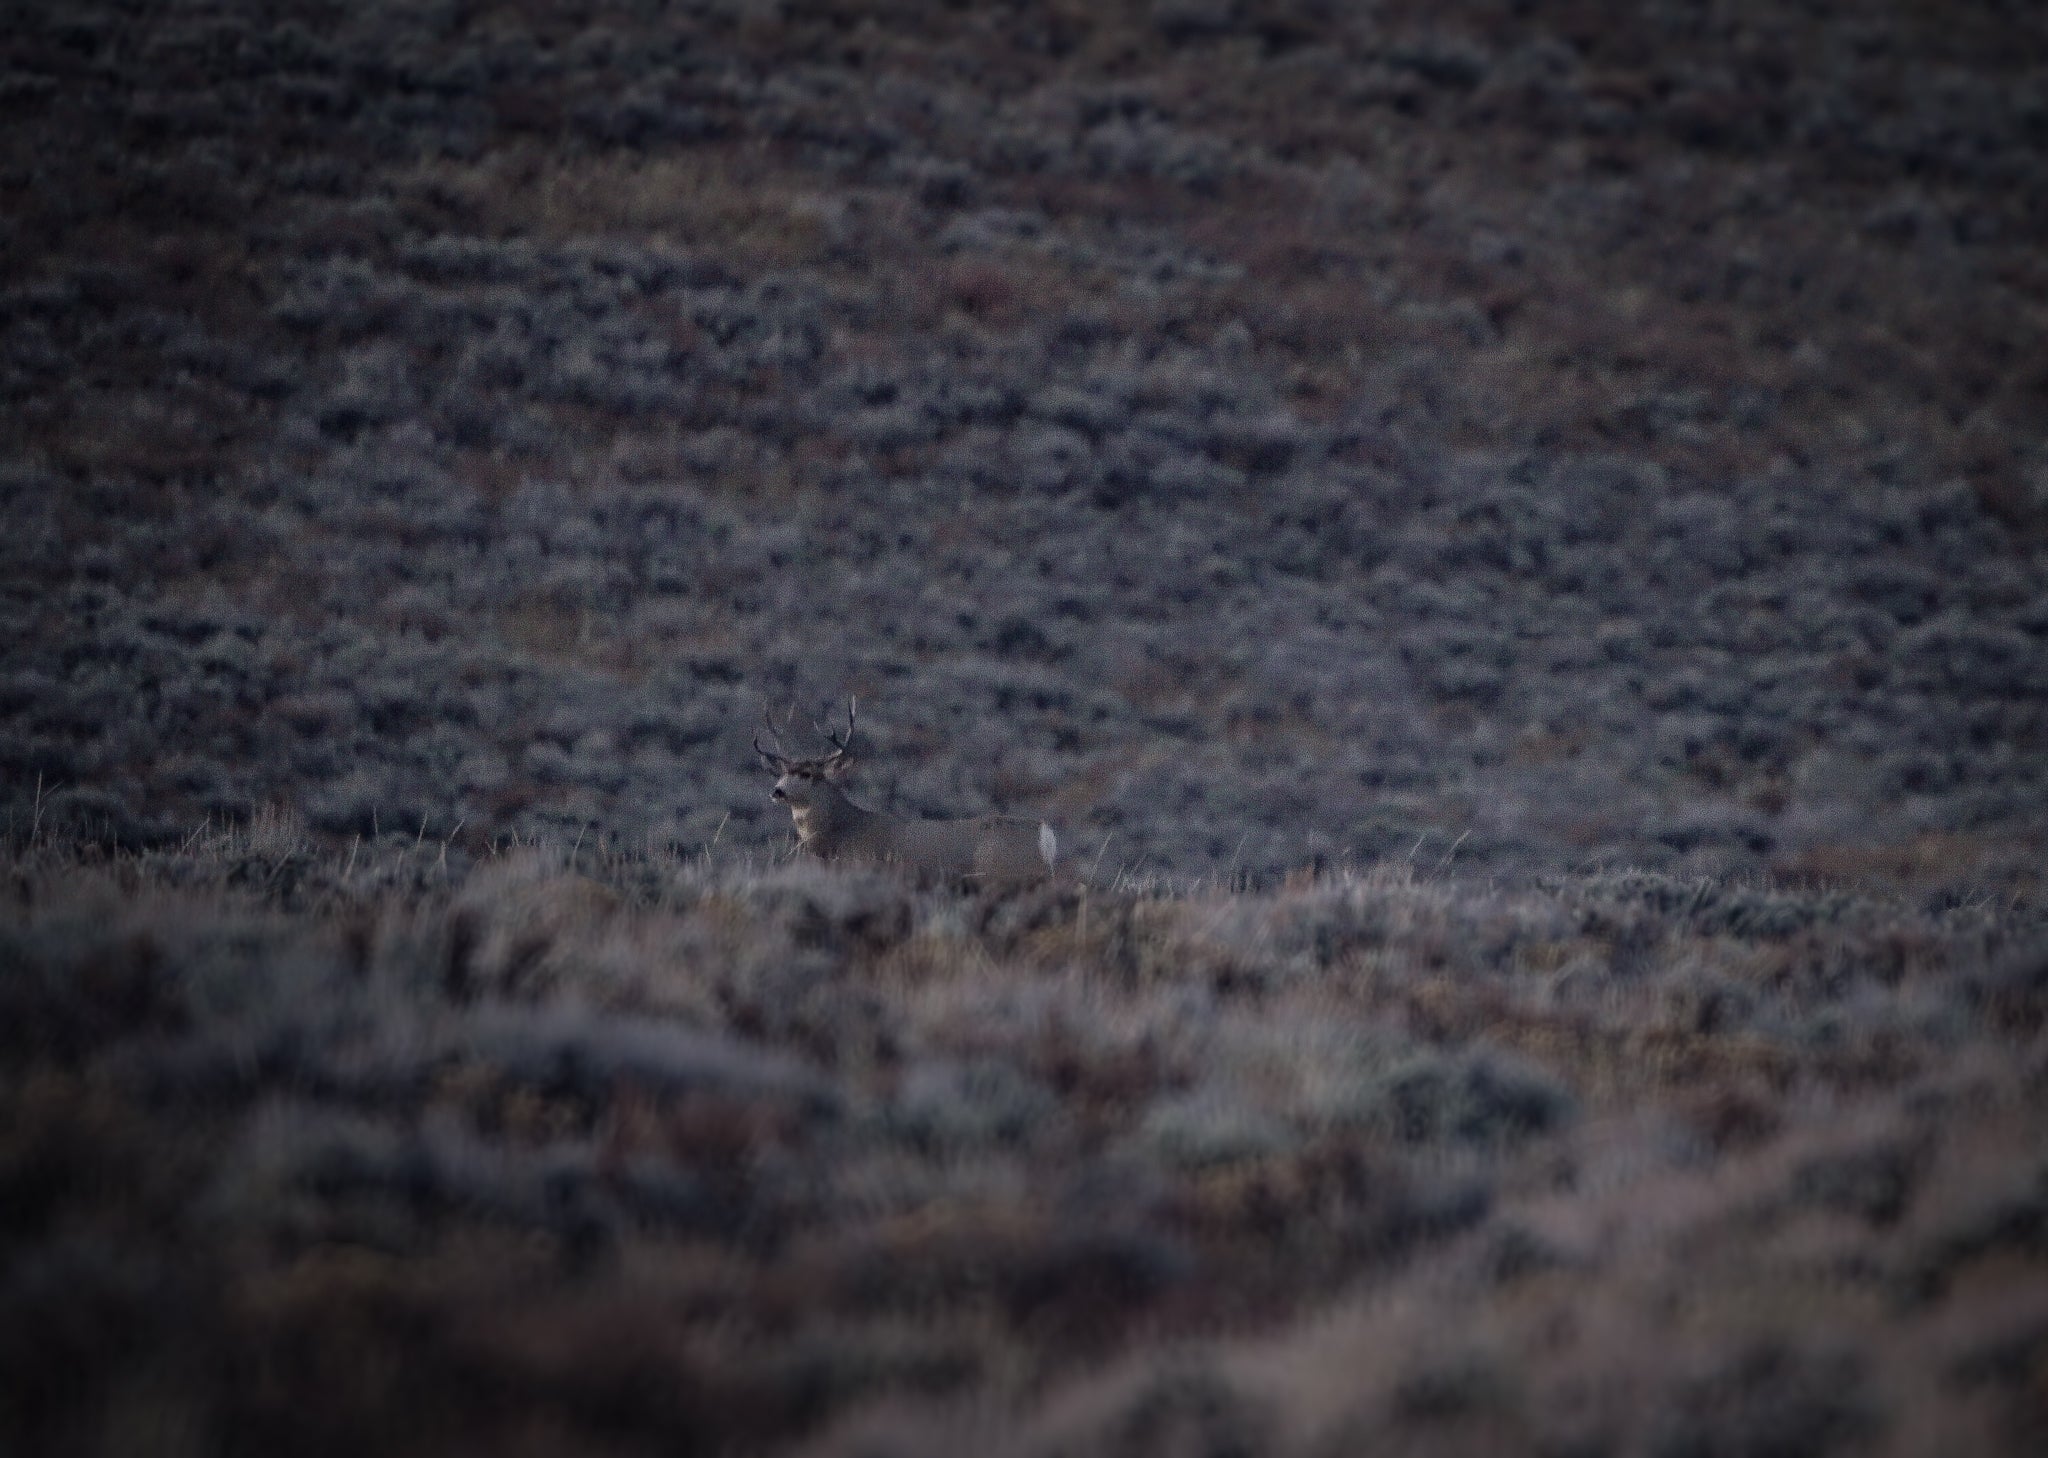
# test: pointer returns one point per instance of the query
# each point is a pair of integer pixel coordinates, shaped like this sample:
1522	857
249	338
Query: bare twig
1230	876
1096	864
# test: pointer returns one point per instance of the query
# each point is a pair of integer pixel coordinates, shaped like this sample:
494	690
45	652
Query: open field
1511	542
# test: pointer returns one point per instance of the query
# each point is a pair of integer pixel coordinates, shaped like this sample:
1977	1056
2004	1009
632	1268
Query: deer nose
776	793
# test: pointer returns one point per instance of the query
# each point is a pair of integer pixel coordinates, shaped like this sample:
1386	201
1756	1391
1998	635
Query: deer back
987	848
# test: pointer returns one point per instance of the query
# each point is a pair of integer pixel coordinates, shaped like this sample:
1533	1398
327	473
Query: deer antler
838	744
776	761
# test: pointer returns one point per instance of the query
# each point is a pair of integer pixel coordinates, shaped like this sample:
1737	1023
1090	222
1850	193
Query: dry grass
466	1144
729	198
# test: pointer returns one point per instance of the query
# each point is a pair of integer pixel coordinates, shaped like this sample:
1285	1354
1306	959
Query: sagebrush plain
1511	543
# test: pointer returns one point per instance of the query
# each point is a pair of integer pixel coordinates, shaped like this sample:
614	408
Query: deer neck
829	820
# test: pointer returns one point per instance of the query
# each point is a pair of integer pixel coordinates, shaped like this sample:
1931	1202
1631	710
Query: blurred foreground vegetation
402	1148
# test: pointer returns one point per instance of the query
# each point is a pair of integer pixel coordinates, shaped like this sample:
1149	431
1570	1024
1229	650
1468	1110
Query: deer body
988	848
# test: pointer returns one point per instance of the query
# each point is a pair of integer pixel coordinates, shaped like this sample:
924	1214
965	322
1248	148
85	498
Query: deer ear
839	766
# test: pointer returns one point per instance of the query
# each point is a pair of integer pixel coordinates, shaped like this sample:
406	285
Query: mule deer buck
986	849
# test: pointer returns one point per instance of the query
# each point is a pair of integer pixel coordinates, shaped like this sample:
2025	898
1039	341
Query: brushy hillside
1252	432
1511	541
389	1152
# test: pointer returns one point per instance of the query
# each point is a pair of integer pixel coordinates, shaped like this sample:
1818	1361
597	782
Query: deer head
800	783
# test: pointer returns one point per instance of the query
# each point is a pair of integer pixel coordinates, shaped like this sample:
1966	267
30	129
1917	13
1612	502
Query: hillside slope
1253	434
1512	541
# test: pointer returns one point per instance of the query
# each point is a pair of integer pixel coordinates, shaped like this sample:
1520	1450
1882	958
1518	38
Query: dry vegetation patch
455	1144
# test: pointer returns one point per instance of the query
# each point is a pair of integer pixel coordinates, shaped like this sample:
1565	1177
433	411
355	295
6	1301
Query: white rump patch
1048	844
